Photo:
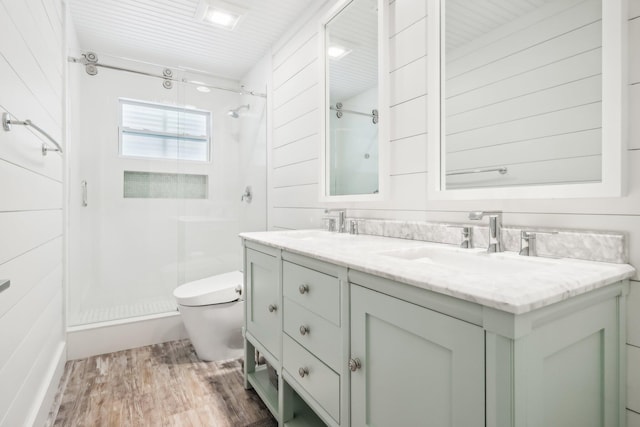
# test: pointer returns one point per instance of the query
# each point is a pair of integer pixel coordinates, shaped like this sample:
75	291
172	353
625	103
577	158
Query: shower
172	177
234	113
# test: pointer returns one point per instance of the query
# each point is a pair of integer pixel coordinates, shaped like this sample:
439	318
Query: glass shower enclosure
156	176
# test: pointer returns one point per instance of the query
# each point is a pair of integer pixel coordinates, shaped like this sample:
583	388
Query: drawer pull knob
304	330
303	372
272	308
303	288
354	364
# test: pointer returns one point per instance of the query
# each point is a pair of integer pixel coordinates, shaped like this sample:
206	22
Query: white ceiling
165	32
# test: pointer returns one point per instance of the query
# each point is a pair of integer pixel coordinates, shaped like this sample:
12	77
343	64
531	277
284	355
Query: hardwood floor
158	385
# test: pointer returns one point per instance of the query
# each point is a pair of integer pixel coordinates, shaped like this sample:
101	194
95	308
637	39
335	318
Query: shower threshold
122	313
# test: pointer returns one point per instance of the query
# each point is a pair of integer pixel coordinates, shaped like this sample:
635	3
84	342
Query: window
164	132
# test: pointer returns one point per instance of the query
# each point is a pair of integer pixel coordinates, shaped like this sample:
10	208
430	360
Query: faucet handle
342	216
330	223
466	234
353	226
528	245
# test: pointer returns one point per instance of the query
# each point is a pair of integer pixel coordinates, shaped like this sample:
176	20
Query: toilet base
215	330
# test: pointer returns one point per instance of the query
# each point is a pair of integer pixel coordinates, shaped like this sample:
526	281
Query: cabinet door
264	312
568	372
418	367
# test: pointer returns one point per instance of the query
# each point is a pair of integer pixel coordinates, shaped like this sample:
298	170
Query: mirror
351	113
527	104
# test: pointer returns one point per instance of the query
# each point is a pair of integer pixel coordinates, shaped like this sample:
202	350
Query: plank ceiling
355	27
165	32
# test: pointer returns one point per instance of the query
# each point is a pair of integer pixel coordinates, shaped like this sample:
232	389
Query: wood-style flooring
158	385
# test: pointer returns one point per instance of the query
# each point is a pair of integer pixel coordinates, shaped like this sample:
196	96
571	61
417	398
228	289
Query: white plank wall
31	251
294	195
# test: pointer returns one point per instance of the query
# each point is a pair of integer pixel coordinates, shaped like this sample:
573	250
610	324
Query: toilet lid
217	289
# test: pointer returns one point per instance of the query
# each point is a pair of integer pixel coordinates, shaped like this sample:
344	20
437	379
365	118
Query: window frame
122	129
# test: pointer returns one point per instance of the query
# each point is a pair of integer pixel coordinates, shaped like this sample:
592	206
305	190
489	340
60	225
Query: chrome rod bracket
4	284
7	122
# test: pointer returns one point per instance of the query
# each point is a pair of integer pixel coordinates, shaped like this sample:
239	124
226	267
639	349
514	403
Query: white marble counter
524	284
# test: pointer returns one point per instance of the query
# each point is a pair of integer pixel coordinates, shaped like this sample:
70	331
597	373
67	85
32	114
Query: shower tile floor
123	311
157	385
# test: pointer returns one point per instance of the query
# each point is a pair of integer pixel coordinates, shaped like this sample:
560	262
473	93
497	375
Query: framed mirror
353	127
526	98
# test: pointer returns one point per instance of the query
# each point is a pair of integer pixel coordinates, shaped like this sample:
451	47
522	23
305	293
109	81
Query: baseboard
47	394
107	337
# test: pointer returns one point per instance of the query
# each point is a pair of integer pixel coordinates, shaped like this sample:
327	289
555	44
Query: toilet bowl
212	313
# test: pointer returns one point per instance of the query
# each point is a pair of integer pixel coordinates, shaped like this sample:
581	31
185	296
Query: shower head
234	113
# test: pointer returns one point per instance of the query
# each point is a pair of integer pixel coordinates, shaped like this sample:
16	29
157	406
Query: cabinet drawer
321	337
320	382
320	292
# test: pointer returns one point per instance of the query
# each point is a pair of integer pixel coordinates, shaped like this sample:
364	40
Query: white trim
47	393
614	117
107	337
356	200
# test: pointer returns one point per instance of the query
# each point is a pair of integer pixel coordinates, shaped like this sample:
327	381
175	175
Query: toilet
212	313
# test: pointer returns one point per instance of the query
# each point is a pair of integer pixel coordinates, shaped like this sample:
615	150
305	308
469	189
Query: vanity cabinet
414	366
355	349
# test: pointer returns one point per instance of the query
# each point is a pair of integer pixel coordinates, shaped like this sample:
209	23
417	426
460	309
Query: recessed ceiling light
203	89
220	14
222	18
337	51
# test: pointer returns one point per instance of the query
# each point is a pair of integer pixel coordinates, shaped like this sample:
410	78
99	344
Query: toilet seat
218	289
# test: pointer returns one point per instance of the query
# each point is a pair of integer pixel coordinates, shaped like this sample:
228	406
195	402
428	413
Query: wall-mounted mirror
528	98
352	117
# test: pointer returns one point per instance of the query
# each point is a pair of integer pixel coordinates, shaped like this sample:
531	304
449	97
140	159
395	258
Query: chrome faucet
466	234
495	228
528	246
342	219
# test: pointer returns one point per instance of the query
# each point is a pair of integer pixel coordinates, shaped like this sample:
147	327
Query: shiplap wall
528	96
294	158
31	249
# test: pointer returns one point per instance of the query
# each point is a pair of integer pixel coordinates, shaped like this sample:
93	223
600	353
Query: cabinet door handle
304	330
303	372
272	308
354	364
304	288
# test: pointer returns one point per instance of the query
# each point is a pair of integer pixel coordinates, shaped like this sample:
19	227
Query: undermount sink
476	261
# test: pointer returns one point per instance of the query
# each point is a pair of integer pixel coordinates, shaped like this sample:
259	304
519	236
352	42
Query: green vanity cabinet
414	366
356	349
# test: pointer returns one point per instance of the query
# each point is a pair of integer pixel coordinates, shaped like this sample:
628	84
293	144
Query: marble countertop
524	284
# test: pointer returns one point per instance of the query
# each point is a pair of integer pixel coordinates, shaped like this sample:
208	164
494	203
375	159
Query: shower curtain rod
90	61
